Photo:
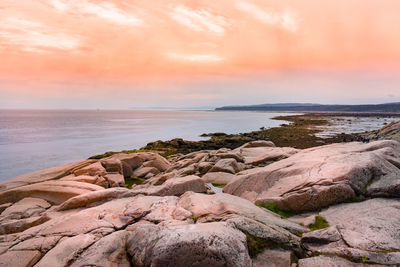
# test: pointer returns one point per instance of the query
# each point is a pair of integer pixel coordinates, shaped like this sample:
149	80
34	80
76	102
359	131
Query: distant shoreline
392	108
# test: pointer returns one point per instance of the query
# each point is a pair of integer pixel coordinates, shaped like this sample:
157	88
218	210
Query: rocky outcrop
388	132
191	230
323	176
82	216
226	165
367	231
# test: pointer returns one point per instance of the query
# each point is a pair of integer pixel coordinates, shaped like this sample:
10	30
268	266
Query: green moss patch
219	185
257	245
353	200
370	182
320	223
274	208
129	182
196	218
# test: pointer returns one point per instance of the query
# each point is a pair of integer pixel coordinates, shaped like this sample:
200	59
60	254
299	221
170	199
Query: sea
32	140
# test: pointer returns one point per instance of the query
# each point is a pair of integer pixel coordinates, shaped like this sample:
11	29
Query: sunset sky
136	53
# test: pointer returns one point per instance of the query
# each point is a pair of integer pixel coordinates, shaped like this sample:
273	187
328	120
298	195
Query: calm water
34	140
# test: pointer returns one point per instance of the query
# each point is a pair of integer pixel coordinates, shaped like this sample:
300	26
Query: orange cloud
139	40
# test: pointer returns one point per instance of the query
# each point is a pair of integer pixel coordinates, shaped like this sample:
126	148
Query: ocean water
32	140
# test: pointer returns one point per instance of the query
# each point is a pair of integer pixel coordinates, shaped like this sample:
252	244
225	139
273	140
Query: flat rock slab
221	178
323	176
53	173
331	262
366	231
54	192
174	187
19	258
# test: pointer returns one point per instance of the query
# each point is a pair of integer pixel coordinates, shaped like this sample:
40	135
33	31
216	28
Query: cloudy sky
135	53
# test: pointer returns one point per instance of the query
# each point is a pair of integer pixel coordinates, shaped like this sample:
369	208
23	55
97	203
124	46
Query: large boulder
363	232
92	170
322	176
265	155
206	244
229	165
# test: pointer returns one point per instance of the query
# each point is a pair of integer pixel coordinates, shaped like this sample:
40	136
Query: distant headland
309	107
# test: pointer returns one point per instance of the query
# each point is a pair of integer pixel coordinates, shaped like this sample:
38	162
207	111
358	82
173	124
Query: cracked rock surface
322	176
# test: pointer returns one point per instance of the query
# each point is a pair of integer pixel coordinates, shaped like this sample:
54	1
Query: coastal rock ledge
334	205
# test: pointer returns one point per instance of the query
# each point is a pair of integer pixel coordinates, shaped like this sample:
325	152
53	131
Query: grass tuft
320	223
129	182
219	185
274	208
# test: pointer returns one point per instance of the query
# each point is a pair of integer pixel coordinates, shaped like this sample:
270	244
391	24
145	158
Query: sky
113	54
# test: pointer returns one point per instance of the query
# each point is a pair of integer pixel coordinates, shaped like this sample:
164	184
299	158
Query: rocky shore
251	203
